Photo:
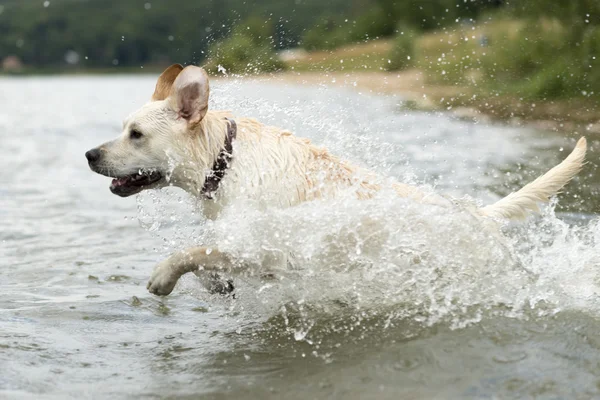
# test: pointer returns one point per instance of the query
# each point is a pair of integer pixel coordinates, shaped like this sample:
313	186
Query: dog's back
281	168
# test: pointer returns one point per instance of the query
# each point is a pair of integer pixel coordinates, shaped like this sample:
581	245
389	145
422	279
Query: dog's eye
135	134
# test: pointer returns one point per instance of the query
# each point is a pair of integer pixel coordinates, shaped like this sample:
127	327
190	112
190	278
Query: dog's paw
163	280
219	286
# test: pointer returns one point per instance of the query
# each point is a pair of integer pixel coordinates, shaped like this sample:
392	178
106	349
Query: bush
325	35
402	54
374	23
541	61
551	81
531	48
240	55
249	49
255	28
531	59
330	33
590	48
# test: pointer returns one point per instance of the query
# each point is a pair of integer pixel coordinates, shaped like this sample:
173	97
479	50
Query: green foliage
135	32
531	59
552	81
249	49
325	35
373	19
518	56
245	51
590	58
331	32
433	14
256	29
542	49
372	23
562	61
402	54
574	13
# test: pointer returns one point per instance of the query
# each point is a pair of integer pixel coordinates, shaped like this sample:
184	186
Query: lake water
386	299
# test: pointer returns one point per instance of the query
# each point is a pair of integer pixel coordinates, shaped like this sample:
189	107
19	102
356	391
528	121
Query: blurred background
495	56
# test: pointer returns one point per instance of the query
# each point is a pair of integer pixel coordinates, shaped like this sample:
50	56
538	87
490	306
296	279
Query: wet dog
174	140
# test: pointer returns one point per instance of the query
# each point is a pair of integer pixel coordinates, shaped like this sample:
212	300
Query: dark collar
214	176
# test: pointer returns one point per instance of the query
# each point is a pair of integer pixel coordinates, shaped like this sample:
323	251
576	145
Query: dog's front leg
167	273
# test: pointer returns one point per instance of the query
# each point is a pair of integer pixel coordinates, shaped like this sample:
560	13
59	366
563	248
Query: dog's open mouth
135	183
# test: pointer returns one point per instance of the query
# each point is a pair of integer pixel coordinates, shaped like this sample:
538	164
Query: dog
174	140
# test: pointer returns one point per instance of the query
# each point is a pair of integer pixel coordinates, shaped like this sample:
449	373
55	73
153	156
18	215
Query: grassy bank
482	71
501	68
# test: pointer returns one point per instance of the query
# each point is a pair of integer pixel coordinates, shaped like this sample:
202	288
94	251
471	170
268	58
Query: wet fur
270	166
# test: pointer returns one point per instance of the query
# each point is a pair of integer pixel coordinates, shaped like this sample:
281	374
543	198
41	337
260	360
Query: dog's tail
518	204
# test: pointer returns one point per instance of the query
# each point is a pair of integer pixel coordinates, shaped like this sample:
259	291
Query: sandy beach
572	116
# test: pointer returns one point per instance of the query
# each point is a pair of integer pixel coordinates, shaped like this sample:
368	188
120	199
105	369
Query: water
384	298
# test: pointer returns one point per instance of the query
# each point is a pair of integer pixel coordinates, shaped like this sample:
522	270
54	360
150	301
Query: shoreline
574	116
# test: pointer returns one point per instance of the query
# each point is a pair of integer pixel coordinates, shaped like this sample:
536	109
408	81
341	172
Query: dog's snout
93	155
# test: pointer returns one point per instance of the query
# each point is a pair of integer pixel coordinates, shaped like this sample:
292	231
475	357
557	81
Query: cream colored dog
175	141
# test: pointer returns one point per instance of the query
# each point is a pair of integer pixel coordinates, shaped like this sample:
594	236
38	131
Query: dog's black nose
93	155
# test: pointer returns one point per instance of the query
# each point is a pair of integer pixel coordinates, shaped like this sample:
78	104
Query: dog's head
154	136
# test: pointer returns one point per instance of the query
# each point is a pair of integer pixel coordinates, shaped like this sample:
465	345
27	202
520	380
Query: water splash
385	256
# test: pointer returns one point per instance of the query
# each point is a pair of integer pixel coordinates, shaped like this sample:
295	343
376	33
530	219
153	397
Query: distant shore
573	116
67	71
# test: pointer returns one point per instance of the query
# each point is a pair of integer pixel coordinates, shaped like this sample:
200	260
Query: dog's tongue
119	181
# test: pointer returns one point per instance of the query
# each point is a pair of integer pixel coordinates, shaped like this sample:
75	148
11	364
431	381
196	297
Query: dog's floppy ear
165	82
189	94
